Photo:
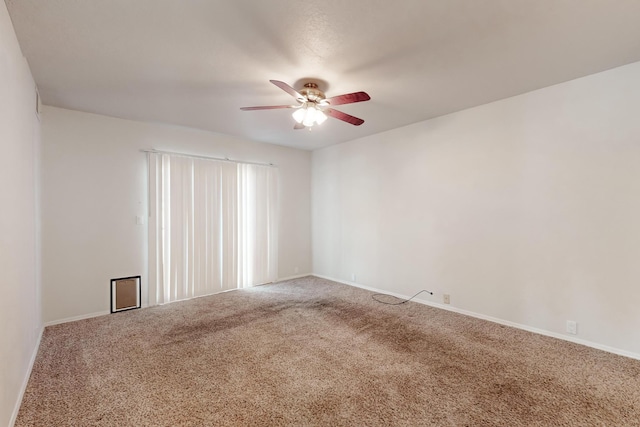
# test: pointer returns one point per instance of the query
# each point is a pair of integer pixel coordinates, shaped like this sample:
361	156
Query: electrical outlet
572	327
353	277
295	270
446	298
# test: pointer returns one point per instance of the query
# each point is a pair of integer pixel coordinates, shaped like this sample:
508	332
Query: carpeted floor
310	352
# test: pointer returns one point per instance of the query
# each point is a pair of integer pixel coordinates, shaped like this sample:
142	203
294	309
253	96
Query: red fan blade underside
343	116
291	91
267	107
349	98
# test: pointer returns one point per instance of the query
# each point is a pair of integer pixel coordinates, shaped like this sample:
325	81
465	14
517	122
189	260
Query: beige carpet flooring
309	352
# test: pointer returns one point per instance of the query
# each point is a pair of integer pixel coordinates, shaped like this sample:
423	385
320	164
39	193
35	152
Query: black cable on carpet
397	303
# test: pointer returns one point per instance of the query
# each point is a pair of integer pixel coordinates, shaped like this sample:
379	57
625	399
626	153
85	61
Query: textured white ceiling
196	62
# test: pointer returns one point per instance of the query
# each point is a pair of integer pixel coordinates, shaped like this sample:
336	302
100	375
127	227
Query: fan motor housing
312	93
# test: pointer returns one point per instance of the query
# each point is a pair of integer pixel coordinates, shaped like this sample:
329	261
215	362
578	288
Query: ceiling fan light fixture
299	114
320	117
309	116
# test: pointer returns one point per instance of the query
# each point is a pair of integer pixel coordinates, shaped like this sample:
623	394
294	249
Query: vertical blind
212	226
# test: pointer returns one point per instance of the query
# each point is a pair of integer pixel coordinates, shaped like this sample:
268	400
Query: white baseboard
493	319
73	319
25	381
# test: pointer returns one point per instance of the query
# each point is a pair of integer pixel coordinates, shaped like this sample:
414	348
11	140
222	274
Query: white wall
525	209
95	184
20	324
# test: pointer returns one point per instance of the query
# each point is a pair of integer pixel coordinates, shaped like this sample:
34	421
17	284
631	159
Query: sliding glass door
212	226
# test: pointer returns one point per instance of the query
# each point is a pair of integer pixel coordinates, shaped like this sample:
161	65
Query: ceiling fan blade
291	91
268	107
299	126
343	116
349	98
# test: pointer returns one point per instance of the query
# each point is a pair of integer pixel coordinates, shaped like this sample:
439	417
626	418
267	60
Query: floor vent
125	293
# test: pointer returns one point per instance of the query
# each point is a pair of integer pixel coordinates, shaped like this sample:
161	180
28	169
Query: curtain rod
196	156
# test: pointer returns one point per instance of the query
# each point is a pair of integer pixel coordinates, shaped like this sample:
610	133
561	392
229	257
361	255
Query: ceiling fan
313	107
